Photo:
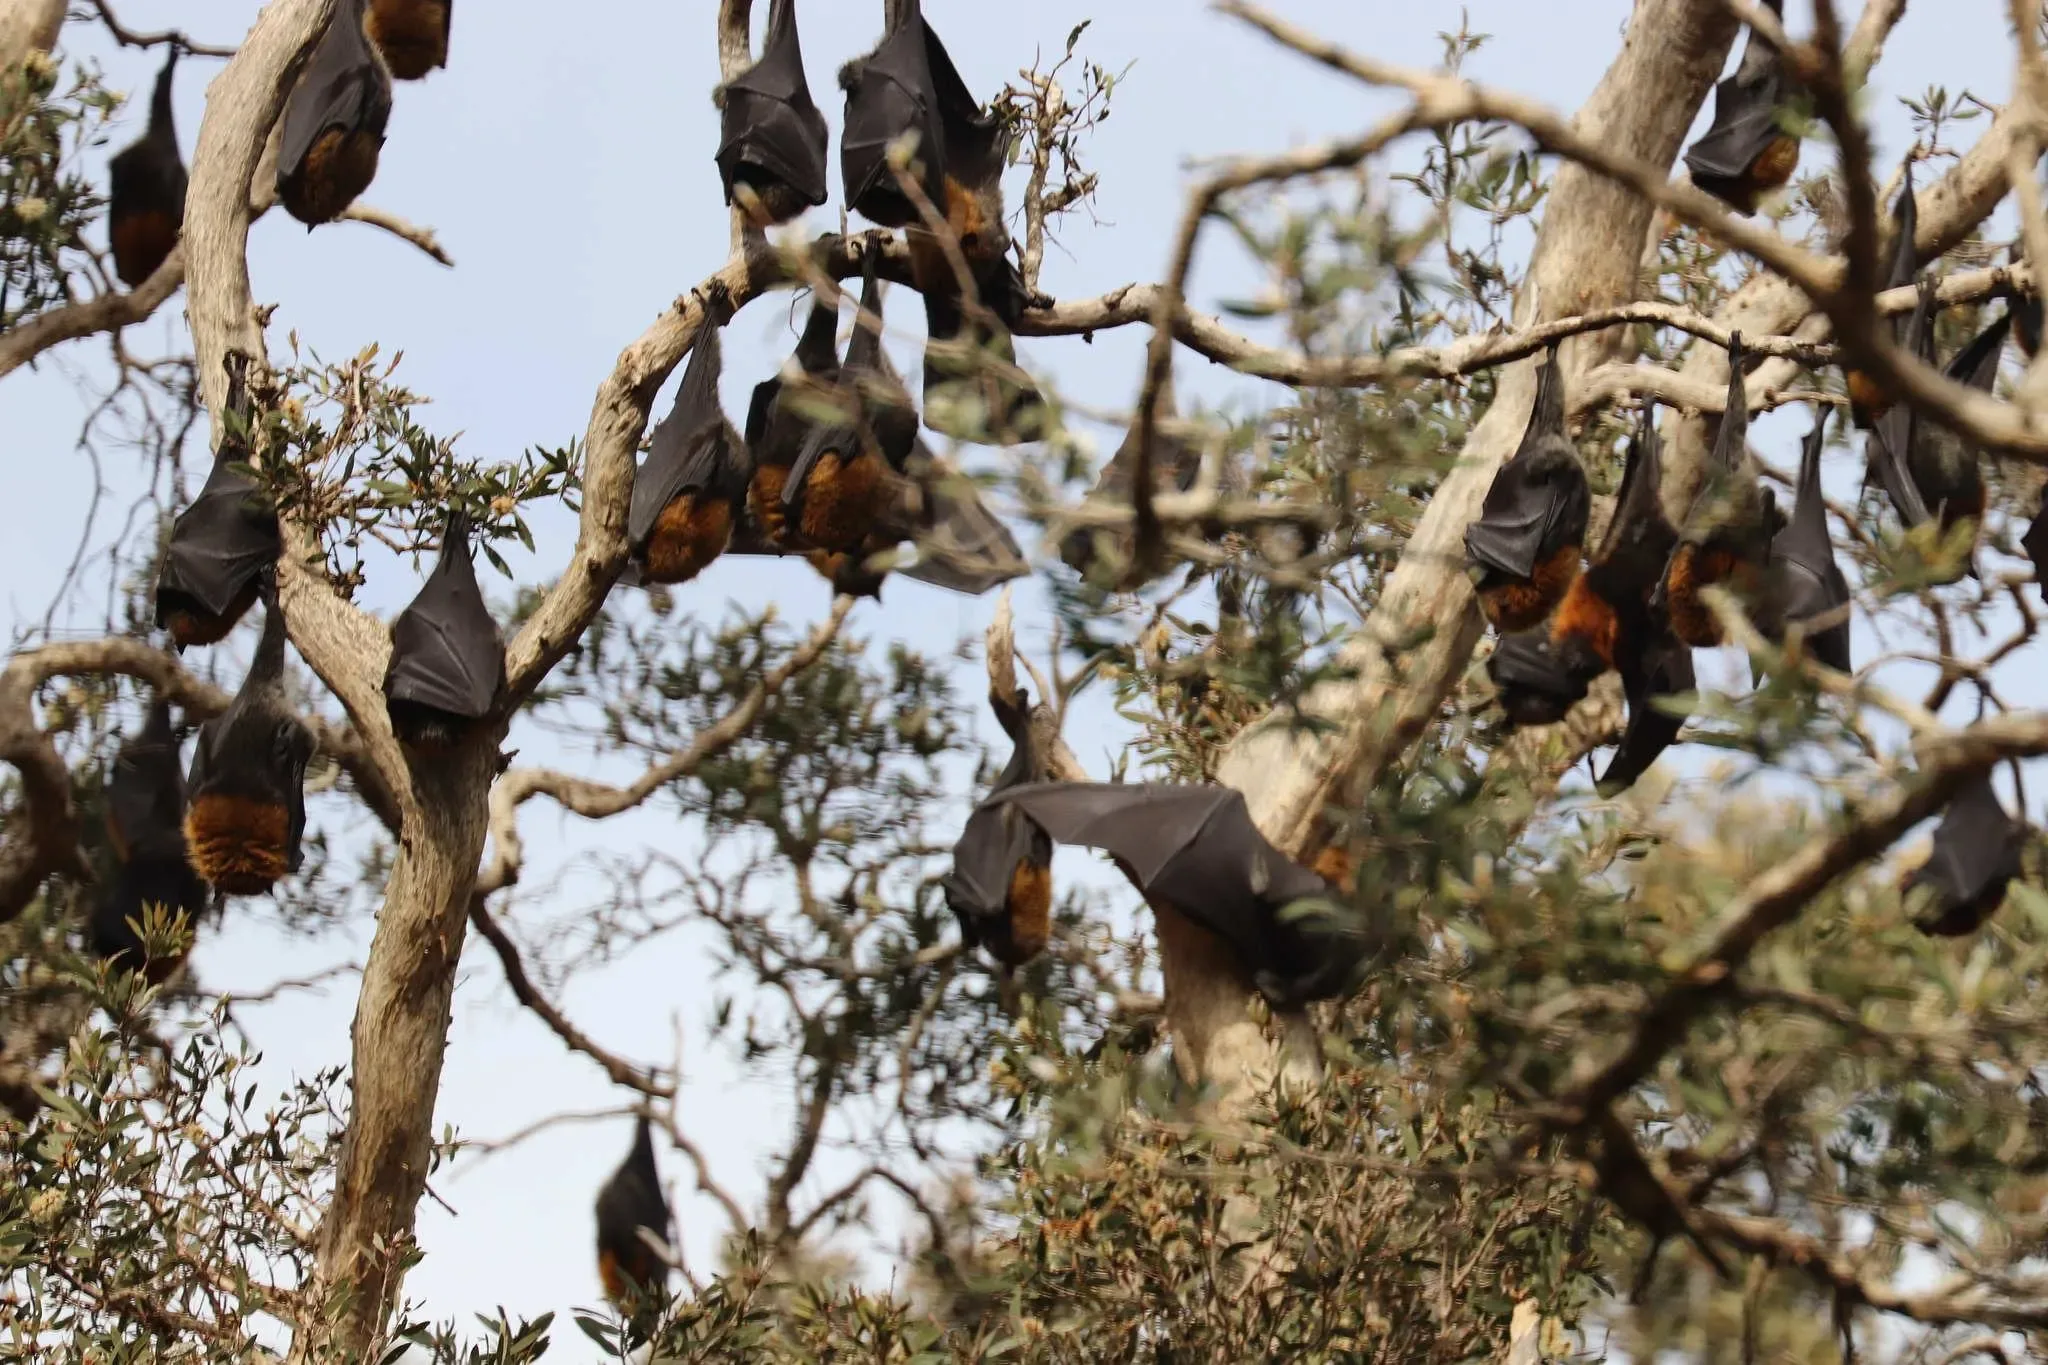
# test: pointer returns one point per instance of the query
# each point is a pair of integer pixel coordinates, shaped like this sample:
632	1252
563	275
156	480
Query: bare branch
128	37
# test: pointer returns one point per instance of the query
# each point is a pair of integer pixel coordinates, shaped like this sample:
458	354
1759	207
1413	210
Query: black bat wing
1976	854
1143	825
145	793
1540	495
1976	365
973	135
446	651
2035	541
631	1199
1745	124
889	96
1805	579
345	86
690	449
963	545
1535	686
1655	669
995	839
220	543
770	120
1905	262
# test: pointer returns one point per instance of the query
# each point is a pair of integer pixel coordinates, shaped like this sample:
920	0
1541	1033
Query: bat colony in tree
830	466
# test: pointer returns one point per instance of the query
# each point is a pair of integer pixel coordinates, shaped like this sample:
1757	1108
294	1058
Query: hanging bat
778	425
447	657
1658	670
221	544
692	487
772	139
891	98
1606	613
1746	152
2035	541
630	1209
1868	399
146	190
1001	883
1976	855
1726	537
1805	582
1526	544
247	809
145	813
1195	849
844	479
334	125
412	35
1175	465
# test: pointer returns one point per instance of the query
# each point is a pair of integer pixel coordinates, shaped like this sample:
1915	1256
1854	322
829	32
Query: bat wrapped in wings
772	139
1196	850
146	190
334	125
1175	465
1747	152
447	656
1868	399
145	813
1000	886
1805	583
247	809
221	545
630	1210
781	416
891	99
692	489
1976	856
412	35
1531	531
1726	536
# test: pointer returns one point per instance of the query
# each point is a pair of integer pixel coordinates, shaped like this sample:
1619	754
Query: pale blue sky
570	175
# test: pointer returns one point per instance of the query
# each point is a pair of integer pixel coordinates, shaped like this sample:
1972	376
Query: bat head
1976	855
1537	684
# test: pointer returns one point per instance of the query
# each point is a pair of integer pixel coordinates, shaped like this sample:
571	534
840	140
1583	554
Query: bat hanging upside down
1000	887
447	656
146	190
691	489
1747	152
223	543
630	1207
334	125
772	139
1526	546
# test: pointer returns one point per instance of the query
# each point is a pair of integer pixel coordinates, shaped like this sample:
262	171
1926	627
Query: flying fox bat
1195	849
1976	855
412	35
779	424
842	481
334	125
1868	400
1532	526
1804	581
630	1208
145	806
1605	615
247	810
1658	670
1926	470
1175	465
146	190
1746	152
1001	883
772	139
447	657
221	544
892	97
1726	538
692	487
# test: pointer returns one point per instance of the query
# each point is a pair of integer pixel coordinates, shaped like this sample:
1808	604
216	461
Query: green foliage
45	199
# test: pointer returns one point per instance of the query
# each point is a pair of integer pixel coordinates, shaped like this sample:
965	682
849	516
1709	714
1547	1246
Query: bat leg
688	535
841	500
237	844
337	168
1513	604
141	240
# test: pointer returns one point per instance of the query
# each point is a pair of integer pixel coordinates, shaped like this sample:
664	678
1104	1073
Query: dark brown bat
247	810
1000	887
1101	554
781	418
1196	850
842	483
629	1208
1726	537
412	35
892	98
1976	855
1746	152
692	488
221	544
334	125
1804	581
1531	531
145	805
1927	470
1868	399
772	139
447	656
1535	685
146	190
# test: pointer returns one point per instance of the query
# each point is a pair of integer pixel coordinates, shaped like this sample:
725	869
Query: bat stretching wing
1000	887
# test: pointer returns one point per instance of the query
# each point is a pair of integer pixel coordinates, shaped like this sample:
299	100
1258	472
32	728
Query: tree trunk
28	26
